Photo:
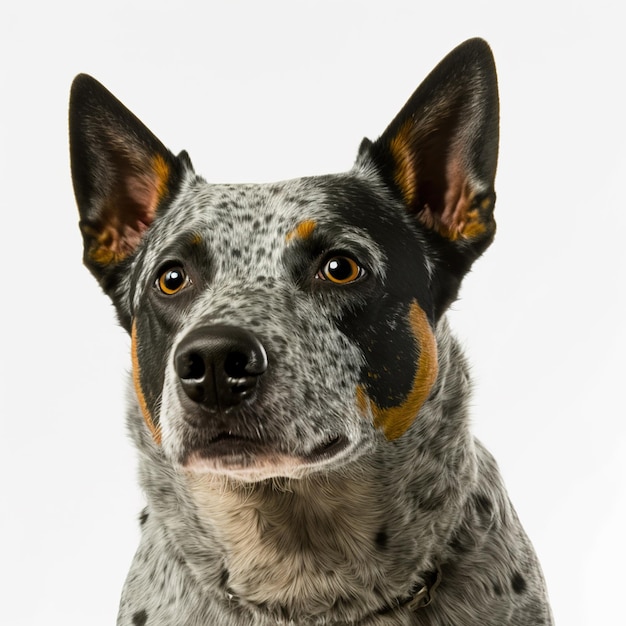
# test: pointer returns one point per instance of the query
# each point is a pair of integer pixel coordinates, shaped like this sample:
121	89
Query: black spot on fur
224	576
497	589
518	583
140	618
381	539
143	517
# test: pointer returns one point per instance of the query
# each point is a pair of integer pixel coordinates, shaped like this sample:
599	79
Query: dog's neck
355	539
302	546
280	537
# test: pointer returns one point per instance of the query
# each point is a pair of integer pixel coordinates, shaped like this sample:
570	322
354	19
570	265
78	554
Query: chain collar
420	596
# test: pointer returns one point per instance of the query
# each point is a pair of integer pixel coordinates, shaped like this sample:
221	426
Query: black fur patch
140	618
143	517
518	584
378	318
381	540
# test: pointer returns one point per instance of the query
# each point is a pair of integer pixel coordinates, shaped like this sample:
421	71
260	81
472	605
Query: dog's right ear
439	156
122	176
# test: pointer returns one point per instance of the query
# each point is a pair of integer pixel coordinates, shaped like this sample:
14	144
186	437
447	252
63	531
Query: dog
299	404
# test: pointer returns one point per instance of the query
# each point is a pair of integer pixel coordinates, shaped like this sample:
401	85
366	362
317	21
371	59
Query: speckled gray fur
308	544
219	551
294	538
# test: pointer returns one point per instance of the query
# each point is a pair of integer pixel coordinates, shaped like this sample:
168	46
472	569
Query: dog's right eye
340	270
172	280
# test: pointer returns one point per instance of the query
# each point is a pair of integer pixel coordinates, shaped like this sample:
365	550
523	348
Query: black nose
219	366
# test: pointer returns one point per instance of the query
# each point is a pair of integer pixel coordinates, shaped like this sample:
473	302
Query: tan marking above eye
172	280
340	270
302	231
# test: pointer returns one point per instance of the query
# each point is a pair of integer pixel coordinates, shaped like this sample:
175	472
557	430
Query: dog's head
280	328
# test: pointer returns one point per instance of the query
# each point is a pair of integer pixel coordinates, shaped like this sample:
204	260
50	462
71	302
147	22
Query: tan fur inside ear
446	203
462	217
405	176
129	210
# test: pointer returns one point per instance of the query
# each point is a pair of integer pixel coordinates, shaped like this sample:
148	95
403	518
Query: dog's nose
219	366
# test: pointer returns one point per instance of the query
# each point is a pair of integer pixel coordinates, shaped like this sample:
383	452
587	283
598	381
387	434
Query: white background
259	91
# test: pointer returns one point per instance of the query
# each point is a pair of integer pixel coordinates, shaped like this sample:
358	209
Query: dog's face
280	328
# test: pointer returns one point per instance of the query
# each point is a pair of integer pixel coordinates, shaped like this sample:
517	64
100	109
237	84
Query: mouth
331	447
253	459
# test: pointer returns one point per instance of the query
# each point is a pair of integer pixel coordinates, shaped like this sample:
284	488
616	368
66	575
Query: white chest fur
301	544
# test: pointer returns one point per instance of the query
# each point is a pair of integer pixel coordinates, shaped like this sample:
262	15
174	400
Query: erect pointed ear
122	176
440	154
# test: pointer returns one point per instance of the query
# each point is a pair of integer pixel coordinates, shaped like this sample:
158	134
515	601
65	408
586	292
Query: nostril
190	366
236	365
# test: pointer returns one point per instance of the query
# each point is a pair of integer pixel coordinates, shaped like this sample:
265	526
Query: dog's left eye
172	280
340	270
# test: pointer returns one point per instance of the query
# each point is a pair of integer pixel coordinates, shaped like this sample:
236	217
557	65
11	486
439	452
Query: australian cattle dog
298	401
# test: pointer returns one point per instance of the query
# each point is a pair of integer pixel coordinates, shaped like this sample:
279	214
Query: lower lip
231	451
327	450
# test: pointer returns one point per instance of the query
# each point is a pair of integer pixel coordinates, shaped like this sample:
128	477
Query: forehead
253	231
251	224
244	214
246	228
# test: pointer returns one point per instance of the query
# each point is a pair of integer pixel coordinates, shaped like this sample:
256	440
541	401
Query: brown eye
340	270
172	280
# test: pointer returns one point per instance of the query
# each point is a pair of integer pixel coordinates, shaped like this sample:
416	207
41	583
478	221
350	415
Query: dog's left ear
440	153
122	176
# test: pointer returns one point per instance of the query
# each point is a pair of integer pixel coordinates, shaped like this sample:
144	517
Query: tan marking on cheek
395	421
302	231
154	429
362	401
